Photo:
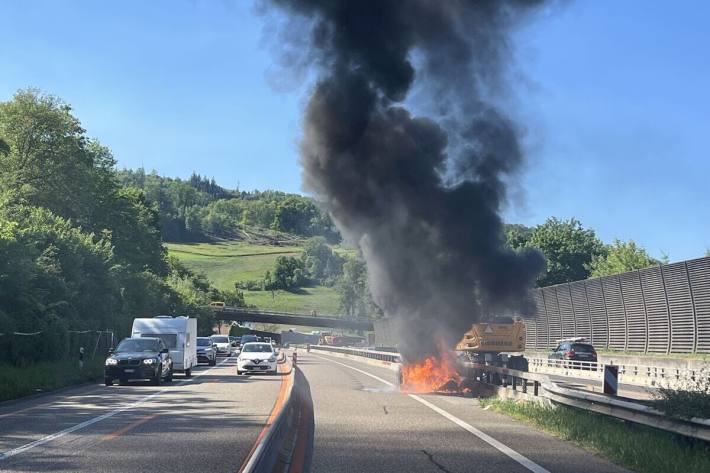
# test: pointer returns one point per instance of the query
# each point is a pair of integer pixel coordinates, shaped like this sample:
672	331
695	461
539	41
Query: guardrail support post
536	387
515	383
525	385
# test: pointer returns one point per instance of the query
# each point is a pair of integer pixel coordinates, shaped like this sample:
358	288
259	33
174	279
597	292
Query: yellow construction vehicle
497	342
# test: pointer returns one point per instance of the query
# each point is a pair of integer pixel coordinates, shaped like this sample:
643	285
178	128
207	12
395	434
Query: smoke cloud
421	195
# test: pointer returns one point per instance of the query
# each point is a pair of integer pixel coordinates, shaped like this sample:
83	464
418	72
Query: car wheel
240	372
169	377
213	362
122	381
108	381
188	372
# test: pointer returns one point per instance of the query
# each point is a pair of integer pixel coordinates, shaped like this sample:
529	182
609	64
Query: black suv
574	351
139	358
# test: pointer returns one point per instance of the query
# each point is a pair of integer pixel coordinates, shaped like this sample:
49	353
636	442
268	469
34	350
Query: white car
257	356
222	345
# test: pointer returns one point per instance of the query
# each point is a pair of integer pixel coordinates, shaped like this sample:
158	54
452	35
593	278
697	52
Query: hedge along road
206	423
364	424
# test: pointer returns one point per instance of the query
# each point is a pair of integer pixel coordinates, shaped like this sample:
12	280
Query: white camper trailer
179	335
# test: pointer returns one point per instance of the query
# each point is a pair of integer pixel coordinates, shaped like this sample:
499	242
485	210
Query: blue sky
613	96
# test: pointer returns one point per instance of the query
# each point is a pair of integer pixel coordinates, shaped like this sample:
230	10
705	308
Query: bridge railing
637	375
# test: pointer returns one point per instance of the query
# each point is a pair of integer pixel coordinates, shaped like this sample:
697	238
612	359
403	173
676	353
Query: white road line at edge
523	460
74	428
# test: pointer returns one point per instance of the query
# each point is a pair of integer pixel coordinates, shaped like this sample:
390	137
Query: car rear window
204	342
582	348
223	339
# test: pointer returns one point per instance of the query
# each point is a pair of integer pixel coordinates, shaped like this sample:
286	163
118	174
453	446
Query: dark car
574	351
236	341
206	352
139	358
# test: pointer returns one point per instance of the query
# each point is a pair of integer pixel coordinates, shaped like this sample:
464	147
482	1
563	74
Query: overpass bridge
239	314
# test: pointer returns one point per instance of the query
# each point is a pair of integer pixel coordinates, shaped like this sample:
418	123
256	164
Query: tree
517	236
320	263
354	291
48	163
568	248
288	273
621	257
295	215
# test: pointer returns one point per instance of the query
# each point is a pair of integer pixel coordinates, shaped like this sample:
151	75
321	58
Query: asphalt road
364	425
208	423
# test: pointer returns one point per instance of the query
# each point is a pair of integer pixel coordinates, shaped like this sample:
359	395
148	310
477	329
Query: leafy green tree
517	236
621	257
354	291
568	248
288	273
48	163
294	215
320	263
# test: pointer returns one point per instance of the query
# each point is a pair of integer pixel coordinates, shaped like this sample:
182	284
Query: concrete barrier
286	445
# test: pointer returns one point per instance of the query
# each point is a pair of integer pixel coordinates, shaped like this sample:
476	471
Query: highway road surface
363	425
207	423
211	422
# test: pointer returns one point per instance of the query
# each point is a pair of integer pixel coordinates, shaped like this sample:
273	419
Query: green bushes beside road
78	250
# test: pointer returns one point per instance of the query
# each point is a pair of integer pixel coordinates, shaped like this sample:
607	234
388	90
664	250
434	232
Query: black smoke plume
421	195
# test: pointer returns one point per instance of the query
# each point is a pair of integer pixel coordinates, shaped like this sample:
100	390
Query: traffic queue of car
163	345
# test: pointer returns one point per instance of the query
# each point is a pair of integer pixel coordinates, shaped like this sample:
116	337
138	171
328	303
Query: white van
178	333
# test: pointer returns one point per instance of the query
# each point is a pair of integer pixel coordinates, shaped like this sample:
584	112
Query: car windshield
257	348
220	339
137	344
204	342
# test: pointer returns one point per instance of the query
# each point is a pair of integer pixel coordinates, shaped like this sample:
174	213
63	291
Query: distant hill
197	209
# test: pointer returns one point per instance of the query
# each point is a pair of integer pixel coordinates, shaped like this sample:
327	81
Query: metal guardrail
372	354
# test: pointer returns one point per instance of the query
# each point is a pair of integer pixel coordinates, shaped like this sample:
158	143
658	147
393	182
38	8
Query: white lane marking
74	428
523	460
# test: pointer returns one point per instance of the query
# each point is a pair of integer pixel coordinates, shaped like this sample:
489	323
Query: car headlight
111	361
148	361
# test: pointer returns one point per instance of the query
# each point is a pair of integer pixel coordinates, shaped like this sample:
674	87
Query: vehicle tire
169	377
108	381
158	379
240	372
213	362
122	382
188	373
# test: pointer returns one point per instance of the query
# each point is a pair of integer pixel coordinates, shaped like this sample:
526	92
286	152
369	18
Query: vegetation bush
691	400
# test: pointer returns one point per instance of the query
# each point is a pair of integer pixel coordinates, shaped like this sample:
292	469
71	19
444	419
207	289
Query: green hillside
227	262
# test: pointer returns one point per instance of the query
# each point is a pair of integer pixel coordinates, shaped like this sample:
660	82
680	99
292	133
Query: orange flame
436	373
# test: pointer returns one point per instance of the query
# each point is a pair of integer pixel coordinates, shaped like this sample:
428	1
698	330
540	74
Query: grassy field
324	300
227	262
634	446
45	376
